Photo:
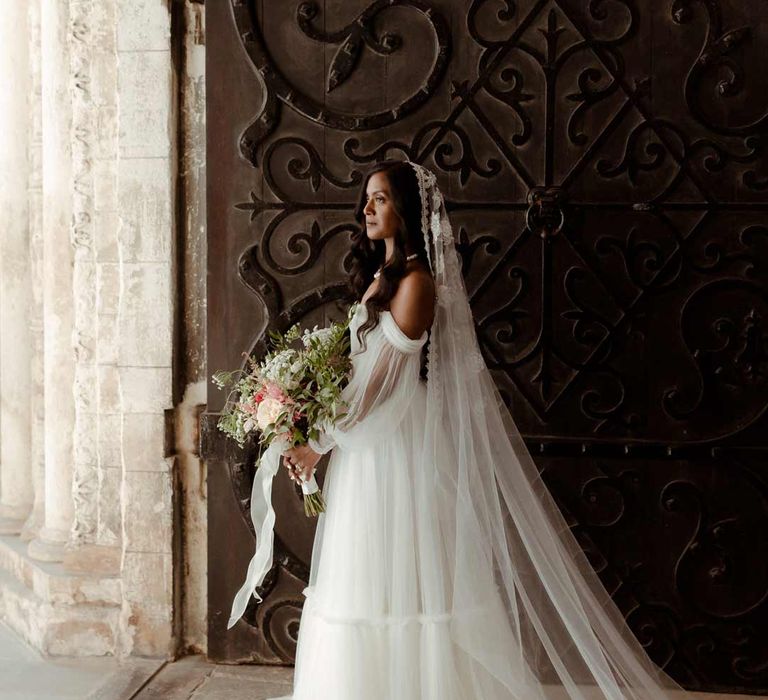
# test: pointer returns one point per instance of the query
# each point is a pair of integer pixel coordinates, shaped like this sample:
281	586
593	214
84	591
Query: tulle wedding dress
375	619
442	569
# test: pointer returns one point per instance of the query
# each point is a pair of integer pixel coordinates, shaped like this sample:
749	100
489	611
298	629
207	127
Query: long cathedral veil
525	603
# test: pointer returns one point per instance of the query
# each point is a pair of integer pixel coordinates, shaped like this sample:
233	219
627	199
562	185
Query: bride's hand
300	462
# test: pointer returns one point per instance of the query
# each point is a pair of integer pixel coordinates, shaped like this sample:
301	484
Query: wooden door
604	165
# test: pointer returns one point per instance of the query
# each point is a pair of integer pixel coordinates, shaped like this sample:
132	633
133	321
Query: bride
442	568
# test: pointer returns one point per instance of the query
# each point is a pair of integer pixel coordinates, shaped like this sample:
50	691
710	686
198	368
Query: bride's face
381	219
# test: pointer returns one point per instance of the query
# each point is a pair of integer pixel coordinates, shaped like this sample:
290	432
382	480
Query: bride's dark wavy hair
368	255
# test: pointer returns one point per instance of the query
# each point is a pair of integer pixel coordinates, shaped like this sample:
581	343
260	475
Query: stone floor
25	675
192	678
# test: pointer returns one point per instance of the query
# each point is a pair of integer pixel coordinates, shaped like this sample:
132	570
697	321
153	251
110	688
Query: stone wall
101	352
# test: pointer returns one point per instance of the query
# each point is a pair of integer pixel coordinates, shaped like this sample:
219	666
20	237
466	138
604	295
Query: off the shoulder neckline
358	305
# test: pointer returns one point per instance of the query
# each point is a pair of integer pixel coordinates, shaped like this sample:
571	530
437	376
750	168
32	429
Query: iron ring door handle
543	230
547	205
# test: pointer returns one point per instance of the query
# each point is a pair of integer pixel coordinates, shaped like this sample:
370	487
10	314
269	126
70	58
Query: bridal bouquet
293	390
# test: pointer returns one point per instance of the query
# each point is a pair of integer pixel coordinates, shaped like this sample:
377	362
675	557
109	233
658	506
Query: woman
442	569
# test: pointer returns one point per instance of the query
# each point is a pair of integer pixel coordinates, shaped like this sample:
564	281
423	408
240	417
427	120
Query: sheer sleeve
384	379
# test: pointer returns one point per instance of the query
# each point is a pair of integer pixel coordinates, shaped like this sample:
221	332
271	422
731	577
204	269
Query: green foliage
306	370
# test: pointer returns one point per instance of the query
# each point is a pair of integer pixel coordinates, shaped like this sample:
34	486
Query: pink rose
268	411
275	392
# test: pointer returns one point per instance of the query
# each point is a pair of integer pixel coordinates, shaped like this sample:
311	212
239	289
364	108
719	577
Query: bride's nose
369	208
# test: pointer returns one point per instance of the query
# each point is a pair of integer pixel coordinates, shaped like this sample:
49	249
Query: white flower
320	334
279	369
267	412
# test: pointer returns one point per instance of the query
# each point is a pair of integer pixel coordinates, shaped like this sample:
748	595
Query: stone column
36	518
85	489
59	358
15	288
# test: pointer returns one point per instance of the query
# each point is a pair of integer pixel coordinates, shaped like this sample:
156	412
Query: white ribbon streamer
263	517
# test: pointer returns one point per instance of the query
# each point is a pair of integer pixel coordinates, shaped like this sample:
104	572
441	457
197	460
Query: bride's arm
413	306
386	375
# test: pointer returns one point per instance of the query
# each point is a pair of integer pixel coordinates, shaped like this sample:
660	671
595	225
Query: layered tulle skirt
376	623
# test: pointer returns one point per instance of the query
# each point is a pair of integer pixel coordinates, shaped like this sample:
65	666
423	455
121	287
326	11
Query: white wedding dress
376	622
442	568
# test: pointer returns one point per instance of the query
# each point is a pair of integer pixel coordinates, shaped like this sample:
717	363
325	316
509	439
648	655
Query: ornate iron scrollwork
598	228
279	90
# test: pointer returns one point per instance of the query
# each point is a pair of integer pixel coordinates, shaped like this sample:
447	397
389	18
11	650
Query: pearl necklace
413	256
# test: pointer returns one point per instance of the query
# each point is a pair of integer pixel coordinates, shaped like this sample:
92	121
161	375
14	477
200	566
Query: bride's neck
389	249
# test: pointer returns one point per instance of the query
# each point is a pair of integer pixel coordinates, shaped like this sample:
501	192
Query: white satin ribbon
309	486
263	517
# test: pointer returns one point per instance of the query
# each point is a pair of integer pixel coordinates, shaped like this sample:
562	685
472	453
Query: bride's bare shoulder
413	305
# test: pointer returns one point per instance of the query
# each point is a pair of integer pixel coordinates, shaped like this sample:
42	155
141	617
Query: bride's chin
377	234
